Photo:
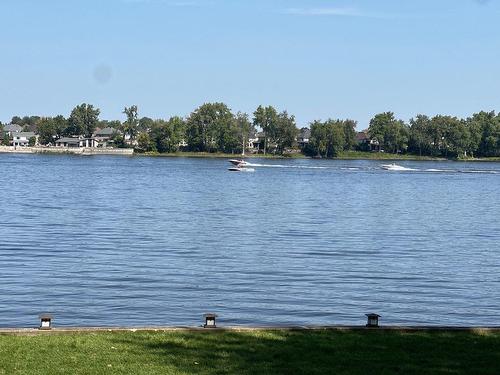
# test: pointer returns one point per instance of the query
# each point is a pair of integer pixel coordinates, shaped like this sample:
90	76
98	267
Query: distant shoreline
347	155
67	151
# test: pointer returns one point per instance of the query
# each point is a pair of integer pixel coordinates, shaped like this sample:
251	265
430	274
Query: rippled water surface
108	241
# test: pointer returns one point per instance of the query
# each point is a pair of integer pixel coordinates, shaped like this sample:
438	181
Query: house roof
305	133
68	140
25	134
106	132
362	136
12	128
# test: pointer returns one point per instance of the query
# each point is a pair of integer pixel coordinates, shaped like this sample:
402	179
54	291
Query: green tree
46	131
145	124
328	138
130	126
16	120
266	119
208	128
286	132
336	137
145	143
457	137
390	132
244	128
484	128
3	135
444	135
419	137
50	129
29	123
60	125
318	141
83	120
118	140
32	141
167	136
349	127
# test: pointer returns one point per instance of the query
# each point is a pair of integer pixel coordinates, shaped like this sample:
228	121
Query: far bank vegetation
213	128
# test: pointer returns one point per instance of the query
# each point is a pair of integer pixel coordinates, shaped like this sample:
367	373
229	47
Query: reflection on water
154	241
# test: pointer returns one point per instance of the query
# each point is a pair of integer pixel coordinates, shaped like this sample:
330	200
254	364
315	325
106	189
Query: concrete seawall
477	330
66	150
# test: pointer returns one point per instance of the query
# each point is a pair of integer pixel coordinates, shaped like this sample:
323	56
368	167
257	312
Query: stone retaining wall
66	150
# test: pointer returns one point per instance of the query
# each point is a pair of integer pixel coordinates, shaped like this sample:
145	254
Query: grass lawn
252	352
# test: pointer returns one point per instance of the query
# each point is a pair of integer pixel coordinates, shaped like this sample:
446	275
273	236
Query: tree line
444	136
212	128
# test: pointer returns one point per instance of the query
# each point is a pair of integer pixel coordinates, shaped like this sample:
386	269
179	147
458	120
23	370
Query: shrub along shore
256	351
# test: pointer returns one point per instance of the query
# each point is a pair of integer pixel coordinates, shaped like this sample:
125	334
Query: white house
22	139
77	142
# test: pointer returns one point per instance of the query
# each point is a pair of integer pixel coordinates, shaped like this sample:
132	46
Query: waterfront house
106	133
362	138
252	142
365	143
22	139
258	142
105	136
67	142
12	128
77	142
303	137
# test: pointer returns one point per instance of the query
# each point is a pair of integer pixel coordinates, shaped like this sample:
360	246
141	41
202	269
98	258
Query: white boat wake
396	168
284	166
244	166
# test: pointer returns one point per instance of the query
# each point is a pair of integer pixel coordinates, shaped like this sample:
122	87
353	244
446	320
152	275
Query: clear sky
315	58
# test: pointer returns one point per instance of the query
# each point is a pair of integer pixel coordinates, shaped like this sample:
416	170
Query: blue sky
316	58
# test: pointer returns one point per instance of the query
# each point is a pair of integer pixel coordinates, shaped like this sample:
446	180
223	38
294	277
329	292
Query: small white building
22	139
77	142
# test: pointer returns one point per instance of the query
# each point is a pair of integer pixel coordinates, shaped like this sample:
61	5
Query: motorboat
240	165
238	162
393	167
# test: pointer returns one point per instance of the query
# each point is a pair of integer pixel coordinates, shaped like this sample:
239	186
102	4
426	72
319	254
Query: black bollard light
372	320
210	320
46	322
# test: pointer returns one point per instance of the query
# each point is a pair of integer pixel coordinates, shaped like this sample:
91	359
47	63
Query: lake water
133	241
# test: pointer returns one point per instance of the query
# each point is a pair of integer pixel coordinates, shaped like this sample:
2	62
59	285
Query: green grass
252	352
491	158
348	155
